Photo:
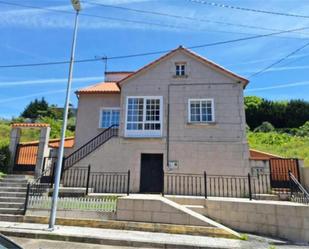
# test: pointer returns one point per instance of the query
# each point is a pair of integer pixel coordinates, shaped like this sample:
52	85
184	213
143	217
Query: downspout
168	127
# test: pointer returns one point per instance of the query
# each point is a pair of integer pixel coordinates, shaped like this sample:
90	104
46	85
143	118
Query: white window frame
212	111
144	133
185	69
101	115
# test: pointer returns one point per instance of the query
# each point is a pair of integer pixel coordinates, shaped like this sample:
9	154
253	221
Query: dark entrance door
151	173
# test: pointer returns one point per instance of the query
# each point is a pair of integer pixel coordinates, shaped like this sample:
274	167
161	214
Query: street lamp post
52	219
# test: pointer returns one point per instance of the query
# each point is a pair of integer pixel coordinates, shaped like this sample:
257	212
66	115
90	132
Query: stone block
144	216
125	215
271	219
152	205
179	218
160	217
138	205
265	209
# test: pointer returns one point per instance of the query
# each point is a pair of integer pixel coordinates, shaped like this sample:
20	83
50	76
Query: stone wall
277	219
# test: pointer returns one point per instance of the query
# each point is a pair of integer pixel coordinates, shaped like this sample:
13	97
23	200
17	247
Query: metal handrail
299	186
93	144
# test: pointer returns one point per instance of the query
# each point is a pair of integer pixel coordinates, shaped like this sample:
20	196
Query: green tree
36	109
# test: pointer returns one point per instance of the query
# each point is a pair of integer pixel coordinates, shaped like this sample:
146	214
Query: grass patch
281	144
244	237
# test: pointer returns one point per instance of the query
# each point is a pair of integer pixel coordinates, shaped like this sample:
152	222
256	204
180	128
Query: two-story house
180	113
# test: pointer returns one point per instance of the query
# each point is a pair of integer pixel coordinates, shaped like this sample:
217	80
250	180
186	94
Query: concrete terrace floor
110	239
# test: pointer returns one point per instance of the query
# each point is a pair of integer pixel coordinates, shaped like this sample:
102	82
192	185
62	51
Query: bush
265	127
303	131
5	156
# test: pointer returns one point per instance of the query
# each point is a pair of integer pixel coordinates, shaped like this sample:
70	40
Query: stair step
12	194
11	210
13	181
15	185
16	176
13	189
11	217
12	204
12	199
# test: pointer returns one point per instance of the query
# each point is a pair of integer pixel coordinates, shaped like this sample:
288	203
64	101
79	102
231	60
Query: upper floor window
201	111
109	117
144	117
180	69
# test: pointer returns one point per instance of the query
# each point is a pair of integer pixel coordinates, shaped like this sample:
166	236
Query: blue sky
33	35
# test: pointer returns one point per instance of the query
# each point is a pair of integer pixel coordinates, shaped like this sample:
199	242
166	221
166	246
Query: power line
155	52
248	9
109	18
280	60
182	17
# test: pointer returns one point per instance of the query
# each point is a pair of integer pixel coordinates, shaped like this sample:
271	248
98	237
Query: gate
279	171
26	155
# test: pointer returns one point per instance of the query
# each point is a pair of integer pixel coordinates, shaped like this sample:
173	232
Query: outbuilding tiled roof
30	125
103	87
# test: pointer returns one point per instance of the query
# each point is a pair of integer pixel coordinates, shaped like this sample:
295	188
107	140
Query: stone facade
218	148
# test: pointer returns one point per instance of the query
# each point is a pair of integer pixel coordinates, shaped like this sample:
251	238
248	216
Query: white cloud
294	84
48	81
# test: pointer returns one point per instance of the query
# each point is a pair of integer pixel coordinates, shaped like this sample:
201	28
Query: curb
101	241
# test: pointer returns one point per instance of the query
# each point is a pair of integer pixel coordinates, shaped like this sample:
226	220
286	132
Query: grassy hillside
280	144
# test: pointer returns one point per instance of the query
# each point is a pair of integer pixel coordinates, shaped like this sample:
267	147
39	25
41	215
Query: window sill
201	124
180	76
143	134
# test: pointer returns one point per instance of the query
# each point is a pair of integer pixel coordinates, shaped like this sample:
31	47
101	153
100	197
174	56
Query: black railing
89	147
298	192
97	182
215	185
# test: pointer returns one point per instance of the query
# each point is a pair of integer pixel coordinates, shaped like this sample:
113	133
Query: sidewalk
127	238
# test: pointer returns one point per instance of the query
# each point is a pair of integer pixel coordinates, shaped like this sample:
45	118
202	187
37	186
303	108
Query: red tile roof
30	125
54	143
103	87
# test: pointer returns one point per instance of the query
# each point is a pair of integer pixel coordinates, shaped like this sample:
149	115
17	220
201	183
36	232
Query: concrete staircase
13	190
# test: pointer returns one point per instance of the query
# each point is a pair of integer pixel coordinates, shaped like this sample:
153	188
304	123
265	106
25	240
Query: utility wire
279	61
155	52
247	9
109	18
179	17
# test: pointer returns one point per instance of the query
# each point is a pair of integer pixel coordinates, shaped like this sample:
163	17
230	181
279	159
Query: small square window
180	69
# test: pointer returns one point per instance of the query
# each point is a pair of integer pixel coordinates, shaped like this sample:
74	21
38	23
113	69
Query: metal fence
216	185
99	204
97	182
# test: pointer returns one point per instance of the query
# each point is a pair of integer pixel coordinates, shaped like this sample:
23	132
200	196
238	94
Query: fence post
88	178
290	183
53	176
128	183
27	198
205	184
163	184
249	184
62	167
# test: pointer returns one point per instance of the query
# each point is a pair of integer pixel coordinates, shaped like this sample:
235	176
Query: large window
144	117
201	111
109	117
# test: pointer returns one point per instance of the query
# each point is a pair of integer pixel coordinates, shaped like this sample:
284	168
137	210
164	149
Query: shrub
303	131
5	156
265	127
